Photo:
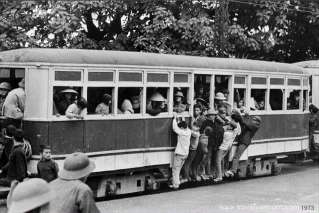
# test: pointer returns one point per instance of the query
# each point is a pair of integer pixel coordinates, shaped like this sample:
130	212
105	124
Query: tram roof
81	56
308	64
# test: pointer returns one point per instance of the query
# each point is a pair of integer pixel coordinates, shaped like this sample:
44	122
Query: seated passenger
5	87
179	107
200	94
156	105
261	105
77	110
136	104
230	133
104	107
13	106
64	99
126	107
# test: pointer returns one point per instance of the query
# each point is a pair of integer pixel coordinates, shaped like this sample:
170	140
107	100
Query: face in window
240	103
261	105
197	111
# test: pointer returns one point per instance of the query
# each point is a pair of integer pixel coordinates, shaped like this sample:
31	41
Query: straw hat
157	97
69	91
220	96
179	94
77	165
29	195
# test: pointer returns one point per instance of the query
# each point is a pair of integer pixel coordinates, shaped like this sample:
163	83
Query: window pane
258	80
221	85
156	100
180	99
277	81
157	77
67	76
129	100
202	89
240	80
12	76
257	101
100	76
100	100
130	76
276	98
305	82
181	77
294	82
63	97
239	99
305	100
293	99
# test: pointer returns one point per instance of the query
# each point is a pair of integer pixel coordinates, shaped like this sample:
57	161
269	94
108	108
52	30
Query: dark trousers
188	168
240	150
211	161
199	161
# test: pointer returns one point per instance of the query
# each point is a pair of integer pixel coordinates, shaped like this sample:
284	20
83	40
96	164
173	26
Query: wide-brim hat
69	91
76	166
29	195
157	97
179	94
220	96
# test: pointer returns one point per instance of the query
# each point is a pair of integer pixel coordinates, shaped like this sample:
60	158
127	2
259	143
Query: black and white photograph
159	106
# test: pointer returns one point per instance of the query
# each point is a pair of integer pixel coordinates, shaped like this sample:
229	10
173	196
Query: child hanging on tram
47	168
181	150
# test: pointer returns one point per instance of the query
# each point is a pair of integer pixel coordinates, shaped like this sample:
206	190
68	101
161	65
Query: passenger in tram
74	195
47	168
63	100
126	107
156	105
181	150
5	87
33	195
249	127
219	99
77	110
200	94
104	107
16	168
179	107
136	104
313	125
260	105
230	133
189	171
13	106
240	106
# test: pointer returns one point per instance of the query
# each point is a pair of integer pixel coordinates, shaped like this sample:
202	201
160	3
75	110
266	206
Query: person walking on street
74	195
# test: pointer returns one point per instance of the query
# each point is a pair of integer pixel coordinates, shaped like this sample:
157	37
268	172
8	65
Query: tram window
180	99
129	100
305	100
63	97
202	89
258	99
239	98
293	99
276	99
12	76
68	75
156	100
99	100
221	85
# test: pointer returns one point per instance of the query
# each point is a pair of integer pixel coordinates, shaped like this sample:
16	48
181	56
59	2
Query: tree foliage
261	29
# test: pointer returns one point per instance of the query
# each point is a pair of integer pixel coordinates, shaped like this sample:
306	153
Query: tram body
130	151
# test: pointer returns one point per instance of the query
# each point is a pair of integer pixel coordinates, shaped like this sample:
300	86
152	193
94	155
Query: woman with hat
64	99
104	107
74	195
33	195
178	102
156	105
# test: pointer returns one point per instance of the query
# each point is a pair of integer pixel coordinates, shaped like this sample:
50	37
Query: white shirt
73	110
13	106
229	137
183	139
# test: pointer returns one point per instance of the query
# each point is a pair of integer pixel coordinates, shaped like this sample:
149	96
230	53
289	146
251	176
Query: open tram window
181	103
222	85
293	99
100	100
63	96
202	89
276	99
257	101
239	99
156	100
129	100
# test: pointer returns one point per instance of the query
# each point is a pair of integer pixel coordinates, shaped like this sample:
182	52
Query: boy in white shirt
181	150
230	133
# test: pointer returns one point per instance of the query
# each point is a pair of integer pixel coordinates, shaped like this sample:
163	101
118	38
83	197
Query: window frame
240	86
259	86
293	87
189	85
278	86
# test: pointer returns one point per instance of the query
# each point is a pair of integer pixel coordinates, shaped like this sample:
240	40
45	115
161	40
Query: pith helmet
29	195
77	165
220	96
157	97
179	94
69	91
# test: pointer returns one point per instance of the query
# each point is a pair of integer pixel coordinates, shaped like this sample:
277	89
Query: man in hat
221	99
5	87
16	167
178	103
249	127
63	100
32	195
13	106
157	104
74	195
